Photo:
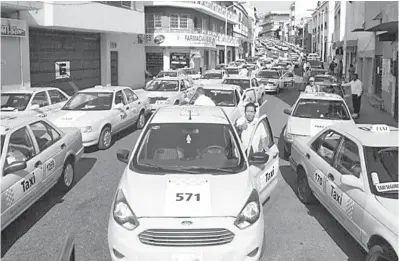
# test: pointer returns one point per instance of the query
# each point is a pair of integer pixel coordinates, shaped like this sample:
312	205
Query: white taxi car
353	172
100	112
311	113
35	155
212	77
34	101
247	82
231	98
203	194
271	79
168	91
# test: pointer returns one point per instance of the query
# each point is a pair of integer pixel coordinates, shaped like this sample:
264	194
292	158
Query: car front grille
155	99
186	237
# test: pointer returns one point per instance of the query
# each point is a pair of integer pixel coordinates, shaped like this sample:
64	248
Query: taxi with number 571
352	170
35	155
203	193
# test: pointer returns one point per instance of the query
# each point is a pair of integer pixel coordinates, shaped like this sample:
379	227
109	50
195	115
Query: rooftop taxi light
379	128
98	86
189	112
320	94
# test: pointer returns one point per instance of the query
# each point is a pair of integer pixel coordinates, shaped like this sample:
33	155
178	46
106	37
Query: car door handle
307	156
330	177
127	108
37	164
275	155
63	146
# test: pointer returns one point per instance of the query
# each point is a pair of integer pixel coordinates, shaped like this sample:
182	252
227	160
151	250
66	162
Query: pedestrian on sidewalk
351	71
357	92
340	69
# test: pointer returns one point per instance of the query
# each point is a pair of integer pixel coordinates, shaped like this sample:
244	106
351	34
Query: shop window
183	21
157	21
174	21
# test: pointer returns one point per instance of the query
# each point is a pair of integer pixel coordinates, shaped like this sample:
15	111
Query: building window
174	21
157	21
183	21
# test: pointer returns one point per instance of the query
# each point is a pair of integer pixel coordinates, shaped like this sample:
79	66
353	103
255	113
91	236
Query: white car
271	79
190	72
100	112
231	98
189	191
168	91
247	82
34	101
212	77
352	170
311	113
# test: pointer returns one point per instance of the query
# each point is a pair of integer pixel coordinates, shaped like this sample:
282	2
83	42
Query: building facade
323	28
307	37
54	50
292	24
241	31
272	23
188	34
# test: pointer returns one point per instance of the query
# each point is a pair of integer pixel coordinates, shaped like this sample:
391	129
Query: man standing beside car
357	92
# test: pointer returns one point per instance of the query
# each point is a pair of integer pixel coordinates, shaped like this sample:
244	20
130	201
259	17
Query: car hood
64	118
20	113
156	195
159	94
208	81
309	127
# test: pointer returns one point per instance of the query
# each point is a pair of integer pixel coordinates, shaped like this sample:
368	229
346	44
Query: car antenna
189	115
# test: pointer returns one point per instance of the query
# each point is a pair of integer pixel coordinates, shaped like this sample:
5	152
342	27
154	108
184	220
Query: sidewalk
370	115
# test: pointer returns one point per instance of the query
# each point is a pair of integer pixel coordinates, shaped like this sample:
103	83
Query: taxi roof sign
320	94
189	111
379	128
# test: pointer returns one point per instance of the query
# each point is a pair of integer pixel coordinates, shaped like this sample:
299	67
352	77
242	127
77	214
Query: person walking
332	67
357	92
340	69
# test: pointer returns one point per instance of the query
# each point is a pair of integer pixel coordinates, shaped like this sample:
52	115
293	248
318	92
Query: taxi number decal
27	184
50	166
318	178
187	196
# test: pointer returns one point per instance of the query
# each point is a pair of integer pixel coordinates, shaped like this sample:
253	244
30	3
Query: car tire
304	192
140	121
105	139
381	252
286	153
67	179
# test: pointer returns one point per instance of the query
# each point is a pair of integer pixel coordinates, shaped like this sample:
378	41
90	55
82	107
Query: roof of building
181	114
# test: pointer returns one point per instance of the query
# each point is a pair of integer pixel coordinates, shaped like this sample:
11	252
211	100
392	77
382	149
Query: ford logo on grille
186	223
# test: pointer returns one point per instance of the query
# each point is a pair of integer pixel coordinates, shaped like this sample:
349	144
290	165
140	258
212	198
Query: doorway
378	76
114	68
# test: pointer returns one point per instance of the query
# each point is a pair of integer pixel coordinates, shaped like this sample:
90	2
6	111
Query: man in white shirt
244	71
312	87
246	125
202	99
357	92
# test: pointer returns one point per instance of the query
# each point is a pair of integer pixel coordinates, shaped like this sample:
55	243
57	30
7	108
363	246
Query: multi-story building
307	36
272	23
188	34
299	13
323	28
42	45
252	33
292	24
241	31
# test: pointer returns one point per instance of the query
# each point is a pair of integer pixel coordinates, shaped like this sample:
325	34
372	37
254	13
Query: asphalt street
294	231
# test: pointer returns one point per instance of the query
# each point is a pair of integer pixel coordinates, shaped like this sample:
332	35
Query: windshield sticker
389	186
104	95
156	127
188	139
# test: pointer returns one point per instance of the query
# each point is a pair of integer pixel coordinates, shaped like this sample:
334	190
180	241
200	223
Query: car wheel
304	191
140	121
67	179
381	252
105	140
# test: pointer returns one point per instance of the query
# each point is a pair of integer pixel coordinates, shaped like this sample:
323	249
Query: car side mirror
123	155
15	167
35	106
351	181
287	111
258	158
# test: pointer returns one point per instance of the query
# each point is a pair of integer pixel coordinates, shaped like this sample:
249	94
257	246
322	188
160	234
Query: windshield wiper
179	170
199	169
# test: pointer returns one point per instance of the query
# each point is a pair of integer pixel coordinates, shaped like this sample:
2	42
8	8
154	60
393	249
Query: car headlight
86	129
250	212
123	215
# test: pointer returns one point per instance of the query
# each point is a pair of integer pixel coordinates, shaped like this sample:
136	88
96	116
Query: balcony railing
219	36
132	5
215	7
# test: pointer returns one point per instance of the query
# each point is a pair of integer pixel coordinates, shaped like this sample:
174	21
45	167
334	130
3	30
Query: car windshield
163	85
232	70
2	139
90	101
244	84
214	75
322	79
384	162
189	148
166	74
315	64
321	109
14	101
268	74
223	98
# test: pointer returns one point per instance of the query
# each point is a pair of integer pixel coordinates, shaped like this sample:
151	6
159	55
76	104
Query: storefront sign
179	59
62	70
181	40
13	27
113	45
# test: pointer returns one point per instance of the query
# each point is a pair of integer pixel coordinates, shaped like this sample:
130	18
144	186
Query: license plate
160	102
186	257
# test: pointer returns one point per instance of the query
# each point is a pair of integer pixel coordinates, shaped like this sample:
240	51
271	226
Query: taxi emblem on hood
186	223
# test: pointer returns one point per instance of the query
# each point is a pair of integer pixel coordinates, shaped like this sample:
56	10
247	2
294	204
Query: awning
349	43
390	27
